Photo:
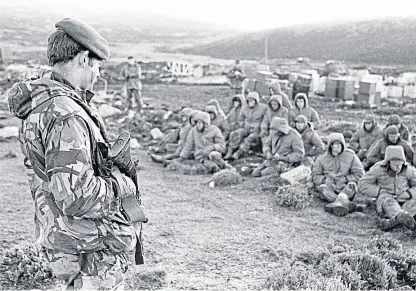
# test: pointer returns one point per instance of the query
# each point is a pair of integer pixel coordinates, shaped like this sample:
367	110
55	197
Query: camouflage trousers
101	270
137	96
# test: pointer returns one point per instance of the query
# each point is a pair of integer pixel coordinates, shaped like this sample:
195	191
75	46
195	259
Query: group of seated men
287	136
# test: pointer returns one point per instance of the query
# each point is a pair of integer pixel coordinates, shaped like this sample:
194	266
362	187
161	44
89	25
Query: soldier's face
185	119
275	105
396	166
212	115
336	148
300	103
368	125
130	61
393	138
91	73
251	103
300	126
236	104
200	125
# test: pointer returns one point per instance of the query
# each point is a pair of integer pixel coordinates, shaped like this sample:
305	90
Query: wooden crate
367	88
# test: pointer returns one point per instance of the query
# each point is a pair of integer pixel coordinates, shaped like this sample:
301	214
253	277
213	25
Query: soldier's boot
237	154
256	172
387	224
406	220
229	153
170	156
341	206
157	158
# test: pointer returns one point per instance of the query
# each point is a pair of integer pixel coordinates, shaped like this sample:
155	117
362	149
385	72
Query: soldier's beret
85	35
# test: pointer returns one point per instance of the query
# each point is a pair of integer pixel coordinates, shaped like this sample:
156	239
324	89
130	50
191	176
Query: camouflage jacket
132	75
62	140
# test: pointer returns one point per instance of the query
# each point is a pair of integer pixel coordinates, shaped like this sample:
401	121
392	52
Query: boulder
134	144
156	133
301	174
9	131
106	110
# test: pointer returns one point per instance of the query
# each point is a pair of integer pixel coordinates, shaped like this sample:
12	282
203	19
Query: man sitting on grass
174	149
283	149
392	182
365	137
334	170
314	146
391	137
249	132
175	136
206	142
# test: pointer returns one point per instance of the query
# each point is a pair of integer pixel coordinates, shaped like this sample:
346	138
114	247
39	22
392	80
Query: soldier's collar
86	95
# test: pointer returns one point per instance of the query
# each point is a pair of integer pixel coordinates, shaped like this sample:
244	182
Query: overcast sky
242	15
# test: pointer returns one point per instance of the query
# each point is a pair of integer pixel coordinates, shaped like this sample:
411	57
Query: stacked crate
367	93
331	88
341	88
345	89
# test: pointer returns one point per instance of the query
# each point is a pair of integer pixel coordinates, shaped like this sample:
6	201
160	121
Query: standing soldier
132	74
78	218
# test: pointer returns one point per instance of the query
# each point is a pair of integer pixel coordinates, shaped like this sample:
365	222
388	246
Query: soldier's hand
269	156
278	157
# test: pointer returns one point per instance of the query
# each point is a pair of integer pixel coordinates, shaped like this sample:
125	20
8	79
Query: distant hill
31	27
390	41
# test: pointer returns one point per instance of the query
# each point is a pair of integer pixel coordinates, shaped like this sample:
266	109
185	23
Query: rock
118	103
156	133
297	175
167	115
106	110
350	102
134	144
131	114
9	131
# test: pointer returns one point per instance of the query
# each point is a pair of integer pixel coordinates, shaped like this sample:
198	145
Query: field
202	238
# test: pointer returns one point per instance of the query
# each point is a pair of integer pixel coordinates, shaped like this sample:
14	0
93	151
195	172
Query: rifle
119	154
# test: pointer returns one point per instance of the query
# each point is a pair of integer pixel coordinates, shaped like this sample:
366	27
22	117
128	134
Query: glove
122	185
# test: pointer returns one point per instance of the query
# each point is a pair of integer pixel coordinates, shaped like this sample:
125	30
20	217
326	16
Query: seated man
395	119
249	132
218	107
283	146
174	149
393	183
218	120
206	142
365	136
302	108
314	146
391	137
275	109
275	89
335	169
170	141
234	115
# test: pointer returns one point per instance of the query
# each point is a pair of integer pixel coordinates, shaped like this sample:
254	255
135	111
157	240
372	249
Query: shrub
187	168
227	177
378	265
24	267
293	196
